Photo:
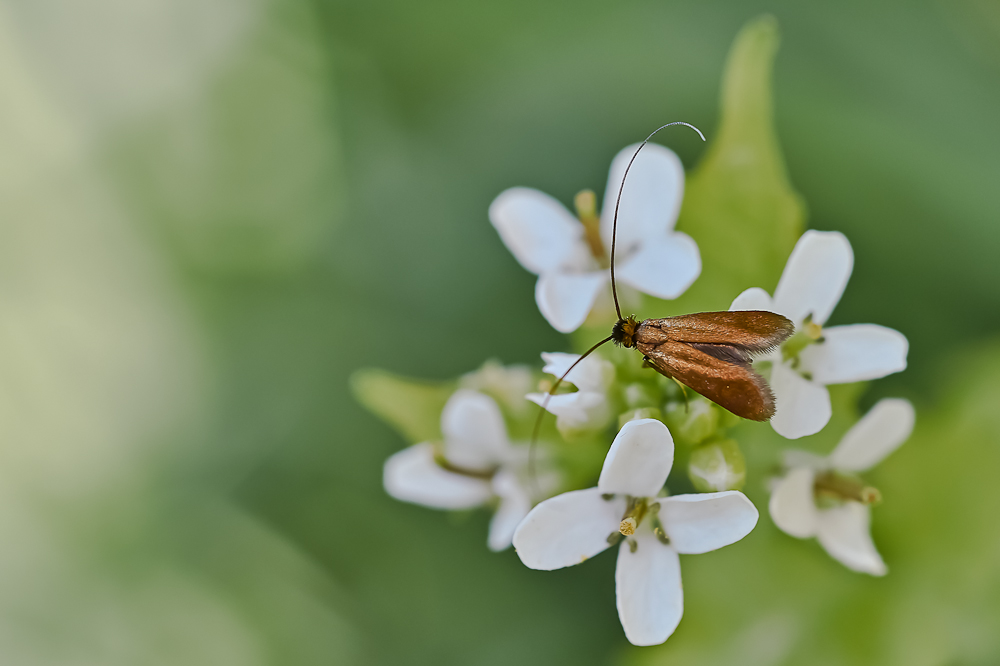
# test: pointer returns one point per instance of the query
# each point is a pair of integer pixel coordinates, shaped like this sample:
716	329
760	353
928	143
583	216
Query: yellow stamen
808	333
628	526
842	487
586	203
586	211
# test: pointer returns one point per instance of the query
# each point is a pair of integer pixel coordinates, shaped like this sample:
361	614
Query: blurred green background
213	211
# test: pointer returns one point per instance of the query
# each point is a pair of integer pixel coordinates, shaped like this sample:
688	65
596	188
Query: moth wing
732	385
753	331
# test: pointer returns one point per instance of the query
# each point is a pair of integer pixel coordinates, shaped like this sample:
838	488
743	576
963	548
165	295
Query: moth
709	352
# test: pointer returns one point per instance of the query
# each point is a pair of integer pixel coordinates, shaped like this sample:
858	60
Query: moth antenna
544	406
621	188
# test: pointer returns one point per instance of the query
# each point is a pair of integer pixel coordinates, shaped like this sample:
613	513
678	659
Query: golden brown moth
711	353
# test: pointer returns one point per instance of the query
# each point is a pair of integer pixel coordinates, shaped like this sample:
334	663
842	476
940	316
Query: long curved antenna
543	407
621	188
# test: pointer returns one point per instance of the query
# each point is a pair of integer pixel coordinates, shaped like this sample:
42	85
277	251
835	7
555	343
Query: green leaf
738	203
411	406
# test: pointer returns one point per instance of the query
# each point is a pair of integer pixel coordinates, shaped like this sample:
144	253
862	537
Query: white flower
840	520
572	527
810	287
587	408
475	465
570	255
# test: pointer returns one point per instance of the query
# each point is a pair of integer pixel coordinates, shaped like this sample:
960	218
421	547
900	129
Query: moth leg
648	363
684	392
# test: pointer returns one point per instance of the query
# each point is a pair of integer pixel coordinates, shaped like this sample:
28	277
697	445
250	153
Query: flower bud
638	395
717	466
634	414
694	422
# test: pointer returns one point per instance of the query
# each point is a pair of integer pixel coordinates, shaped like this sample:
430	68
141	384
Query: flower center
841	488
808	333
464	471
586	212
637	509
634	514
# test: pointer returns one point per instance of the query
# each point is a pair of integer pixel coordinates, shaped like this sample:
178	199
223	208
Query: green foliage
247	177
411	406
738	203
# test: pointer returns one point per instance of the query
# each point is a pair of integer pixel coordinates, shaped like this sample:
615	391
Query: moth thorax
624	331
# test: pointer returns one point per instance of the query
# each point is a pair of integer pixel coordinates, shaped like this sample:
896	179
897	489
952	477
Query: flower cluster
545	502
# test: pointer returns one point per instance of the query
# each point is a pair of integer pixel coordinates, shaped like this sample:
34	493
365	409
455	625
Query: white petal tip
703	522
413	476
639	459
567	529
792	506
565	299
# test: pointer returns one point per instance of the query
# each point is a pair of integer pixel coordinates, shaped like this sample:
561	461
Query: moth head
624	332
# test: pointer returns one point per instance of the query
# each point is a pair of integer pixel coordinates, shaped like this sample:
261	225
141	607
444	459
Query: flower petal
882	430
753	298
538	230
514	506
793	505
639	460
565	299
411	475
815	276
582	410
651	199
702	522
855	353
802	407
591	374
567	529
845	534
475	436
662	266
648	589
